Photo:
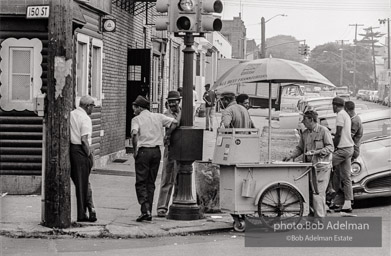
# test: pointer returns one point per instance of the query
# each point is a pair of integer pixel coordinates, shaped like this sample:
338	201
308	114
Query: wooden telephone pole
58	103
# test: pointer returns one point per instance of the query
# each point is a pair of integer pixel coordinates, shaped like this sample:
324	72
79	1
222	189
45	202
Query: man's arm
226	119
204	97
299	149
134	143
337	136
86	147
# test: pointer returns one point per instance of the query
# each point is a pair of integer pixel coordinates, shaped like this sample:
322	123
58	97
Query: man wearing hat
169	172
209	97
343	143
147	137
234	115
317	146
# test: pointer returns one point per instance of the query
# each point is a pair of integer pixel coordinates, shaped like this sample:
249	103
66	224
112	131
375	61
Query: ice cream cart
248	187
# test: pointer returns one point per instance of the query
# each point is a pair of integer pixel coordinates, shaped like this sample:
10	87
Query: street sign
109	25
37	12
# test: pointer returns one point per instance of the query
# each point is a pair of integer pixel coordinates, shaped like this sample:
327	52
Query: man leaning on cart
317	146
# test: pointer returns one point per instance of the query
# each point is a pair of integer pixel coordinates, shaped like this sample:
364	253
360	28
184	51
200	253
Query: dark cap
338	101
173	95
207	85
141	102
312	114
227	94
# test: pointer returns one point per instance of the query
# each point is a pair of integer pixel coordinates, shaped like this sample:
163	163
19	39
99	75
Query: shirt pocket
319	143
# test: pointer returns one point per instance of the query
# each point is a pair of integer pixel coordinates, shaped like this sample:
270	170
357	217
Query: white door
20	74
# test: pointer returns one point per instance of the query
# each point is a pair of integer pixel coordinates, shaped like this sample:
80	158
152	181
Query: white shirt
149	128
343	120
195	98
81	125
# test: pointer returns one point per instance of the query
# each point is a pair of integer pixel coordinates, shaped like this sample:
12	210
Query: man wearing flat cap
343	143
170	166
147	137
317	146
234	115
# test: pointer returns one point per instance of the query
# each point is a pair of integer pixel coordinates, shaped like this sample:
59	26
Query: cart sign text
37	12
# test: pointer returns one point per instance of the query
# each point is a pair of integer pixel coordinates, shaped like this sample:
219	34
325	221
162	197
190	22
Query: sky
316	21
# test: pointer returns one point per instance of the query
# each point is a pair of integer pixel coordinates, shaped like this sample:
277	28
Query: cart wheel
239	225
280	203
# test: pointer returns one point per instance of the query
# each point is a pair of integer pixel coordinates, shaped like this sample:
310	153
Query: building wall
130	34
235	31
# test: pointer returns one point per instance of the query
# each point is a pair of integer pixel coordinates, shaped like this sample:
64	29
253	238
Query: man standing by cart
209	97
317	146
234	115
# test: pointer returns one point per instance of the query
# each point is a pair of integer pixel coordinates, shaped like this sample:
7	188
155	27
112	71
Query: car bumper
376	185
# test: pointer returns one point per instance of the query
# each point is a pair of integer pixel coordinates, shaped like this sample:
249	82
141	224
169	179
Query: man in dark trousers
170	167
147	137
82	158
209	97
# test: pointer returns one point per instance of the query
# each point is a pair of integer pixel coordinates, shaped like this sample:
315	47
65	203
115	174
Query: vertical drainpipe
43	170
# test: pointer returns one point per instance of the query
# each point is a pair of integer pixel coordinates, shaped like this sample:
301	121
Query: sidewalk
116	205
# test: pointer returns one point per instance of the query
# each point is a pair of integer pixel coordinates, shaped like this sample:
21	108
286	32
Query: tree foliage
326	59
284	47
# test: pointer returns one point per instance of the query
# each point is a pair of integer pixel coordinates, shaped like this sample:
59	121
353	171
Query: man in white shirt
82	158
147	137
342	155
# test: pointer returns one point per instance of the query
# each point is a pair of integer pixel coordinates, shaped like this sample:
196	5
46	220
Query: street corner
139	230
25	230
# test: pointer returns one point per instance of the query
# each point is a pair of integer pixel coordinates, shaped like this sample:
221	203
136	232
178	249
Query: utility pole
263	40
59	102
355	54
341	72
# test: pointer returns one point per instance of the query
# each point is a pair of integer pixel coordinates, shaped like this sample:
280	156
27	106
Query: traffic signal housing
185	16
301	49
163	22
208	21
306	50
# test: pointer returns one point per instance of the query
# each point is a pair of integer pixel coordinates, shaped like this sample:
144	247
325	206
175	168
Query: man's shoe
145	216
83	220
93	216
161	213
335	206
211	129
340	209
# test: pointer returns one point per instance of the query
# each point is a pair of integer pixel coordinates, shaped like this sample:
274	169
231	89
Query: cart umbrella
271	70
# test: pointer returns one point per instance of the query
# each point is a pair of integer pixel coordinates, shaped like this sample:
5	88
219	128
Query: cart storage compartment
236	145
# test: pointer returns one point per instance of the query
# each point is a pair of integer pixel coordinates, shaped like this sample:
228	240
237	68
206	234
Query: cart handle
309	169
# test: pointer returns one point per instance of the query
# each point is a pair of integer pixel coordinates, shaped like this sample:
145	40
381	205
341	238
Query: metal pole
269	141
388	43
341	72
263	40
184	206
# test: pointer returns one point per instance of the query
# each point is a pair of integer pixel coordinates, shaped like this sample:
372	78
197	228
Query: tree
326	59
284	47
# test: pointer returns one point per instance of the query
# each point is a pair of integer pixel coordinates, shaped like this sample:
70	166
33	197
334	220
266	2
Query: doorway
138	80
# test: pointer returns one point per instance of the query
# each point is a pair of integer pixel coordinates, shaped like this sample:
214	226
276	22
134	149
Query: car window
378	128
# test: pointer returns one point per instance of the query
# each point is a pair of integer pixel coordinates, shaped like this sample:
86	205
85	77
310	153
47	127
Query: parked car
374	96
366	95
323	105
371	171
360	94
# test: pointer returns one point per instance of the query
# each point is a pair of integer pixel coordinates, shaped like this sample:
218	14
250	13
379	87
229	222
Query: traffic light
163	22
209	22
301	49
306	50
185	16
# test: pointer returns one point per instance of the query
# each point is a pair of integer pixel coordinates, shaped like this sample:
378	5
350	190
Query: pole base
184	212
